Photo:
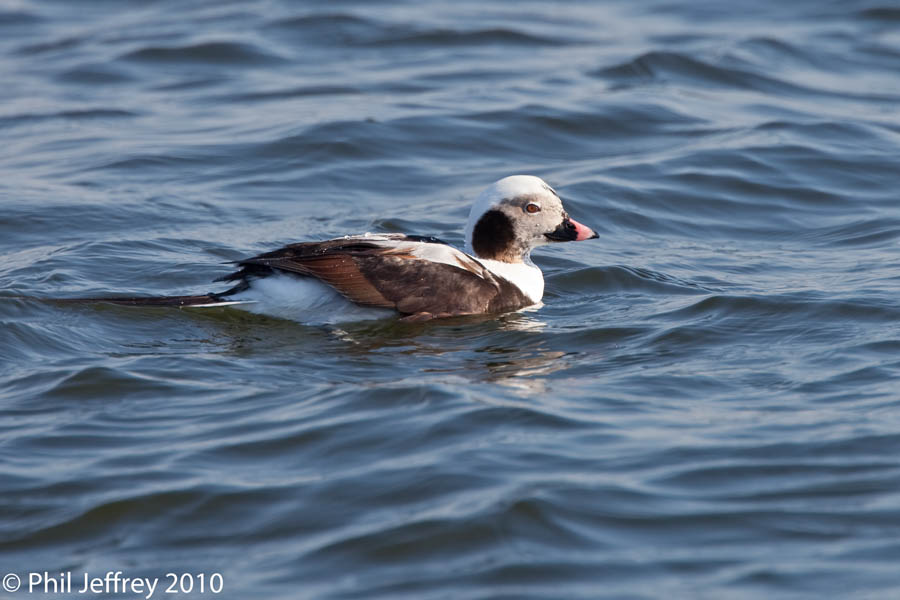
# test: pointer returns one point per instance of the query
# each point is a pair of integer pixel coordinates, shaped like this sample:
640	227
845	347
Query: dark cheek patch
493	235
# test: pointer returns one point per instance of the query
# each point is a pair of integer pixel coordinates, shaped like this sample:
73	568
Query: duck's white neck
525	275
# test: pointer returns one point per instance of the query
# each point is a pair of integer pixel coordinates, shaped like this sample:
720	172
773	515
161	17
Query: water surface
706	406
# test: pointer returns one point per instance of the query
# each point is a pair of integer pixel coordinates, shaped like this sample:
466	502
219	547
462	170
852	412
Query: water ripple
212	53
706	403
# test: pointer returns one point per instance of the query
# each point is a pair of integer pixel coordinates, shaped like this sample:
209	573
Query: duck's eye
532	208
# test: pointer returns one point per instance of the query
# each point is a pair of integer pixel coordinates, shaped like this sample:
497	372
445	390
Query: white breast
525	275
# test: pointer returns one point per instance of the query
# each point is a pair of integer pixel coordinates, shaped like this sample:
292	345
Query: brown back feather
372	275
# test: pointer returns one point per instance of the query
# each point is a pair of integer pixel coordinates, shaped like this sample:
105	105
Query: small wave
671	67
316	23
843	132
72	115
64	44
762	52
622	279
18	18
665	66
96	74
876	232
881	13
774	480
767	314
313	146
149	163
451	37
325	30
353	30
547	131
298	92
233	53
104	381
73	525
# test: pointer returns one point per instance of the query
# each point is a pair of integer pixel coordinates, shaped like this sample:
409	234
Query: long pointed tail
179	301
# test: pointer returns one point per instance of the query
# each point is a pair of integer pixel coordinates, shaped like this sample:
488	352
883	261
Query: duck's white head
516	214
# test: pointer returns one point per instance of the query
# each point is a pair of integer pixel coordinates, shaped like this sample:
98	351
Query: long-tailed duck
420	277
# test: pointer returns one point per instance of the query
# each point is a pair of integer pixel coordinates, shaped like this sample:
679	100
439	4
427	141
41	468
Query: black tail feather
148	300
211	298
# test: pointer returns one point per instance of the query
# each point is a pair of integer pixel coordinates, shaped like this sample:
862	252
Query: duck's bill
571	230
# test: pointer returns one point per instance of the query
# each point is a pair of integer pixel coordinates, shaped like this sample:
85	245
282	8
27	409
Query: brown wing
380	275
331	261
416	285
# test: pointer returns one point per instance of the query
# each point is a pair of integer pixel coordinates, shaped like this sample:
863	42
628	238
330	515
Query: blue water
706	406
